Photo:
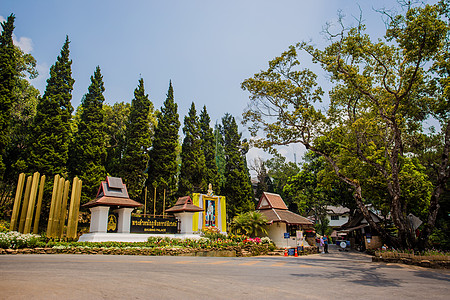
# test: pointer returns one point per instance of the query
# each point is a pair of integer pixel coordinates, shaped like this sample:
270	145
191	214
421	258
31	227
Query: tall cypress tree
8	72
88	151
162	165
138	141
209	151
238	188
192	177
52	131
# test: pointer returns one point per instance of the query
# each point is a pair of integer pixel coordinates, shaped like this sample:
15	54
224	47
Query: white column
124	220
185	221
99	218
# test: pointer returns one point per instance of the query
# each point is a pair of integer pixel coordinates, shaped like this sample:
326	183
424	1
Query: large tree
88	149
8	73
138	136
52	128
162	166
208	146
192	178
380	100
116	119
237	188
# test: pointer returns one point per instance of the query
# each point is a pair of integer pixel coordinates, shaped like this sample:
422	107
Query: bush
16	240
213	233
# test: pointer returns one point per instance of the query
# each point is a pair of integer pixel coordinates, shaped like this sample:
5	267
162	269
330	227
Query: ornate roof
286	216
112	192
270	200
184	204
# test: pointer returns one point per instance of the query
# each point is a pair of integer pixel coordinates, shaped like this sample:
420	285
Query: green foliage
138	136
52	128
88	151
162	166
383	93
8	73
116	118
213	233
280	171
237	188
17	240
208	146
250	223
192	178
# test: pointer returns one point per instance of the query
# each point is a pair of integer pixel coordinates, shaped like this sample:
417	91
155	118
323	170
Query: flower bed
430	259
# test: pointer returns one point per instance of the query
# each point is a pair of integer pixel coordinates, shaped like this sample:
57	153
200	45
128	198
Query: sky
206	48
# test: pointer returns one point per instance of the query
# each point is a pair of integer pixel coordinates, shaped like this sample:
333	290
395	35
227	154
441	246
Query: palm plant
249	223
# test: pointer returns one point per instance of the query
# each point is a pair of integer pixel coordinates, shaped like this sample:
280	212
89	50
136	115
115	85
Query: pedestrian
325	243
322	244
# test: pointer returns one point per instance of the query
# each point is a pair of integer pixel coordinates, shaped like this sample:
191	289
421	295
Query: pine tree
209	151
238	188
88	151
52	131
162	165
8	72
138	141
193	169
116	119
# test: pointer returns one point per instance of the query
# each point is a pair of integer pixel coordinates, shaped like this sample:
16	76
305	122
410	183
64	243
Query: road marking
218	262
280	264
250	263
184	262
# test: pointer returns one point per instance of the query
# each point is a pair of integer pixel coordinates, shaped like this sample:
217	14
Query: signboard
286	235
153	225
112	222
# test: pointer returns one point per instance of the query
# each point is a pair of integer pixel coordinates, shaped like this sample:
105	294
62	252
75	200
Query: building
284	227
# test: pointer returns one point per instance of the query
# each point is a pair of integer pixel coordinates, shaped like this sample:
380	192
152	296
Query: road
336	275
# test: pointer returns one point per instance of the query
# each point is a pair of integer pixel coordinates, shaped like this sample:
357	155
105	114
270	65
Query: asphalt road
338	275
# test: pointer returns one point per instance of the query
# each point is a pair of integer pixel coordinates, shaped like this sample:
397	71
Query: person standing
325	244
322	244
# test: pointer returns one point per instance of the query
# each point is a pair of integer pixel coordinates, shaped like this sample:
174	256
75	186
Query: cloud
24	43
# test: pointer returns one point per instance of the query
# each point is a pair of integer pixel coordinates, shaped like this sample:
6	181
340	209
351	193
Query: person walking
322	244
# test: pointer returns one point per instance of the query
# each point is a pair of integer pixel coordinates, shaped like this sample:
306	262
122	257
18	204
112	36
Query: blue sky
207	48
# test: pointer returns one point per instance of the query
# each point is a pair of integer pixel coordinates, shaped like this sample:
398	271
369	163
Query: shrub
16	240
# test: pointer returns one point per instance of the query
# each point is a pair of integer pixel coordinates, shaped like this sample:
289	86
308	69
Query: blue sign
286	235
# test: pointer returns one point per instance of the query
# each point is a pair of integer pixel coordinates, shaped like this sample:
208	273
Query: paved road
322	276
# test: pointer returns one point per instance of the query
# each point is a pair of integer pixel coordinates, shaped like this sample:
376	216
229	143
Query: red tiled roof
112	201
273	200
282	215
184	204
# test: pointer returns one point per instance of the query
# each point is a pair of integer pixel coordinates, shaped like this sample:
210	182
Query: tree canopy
383	93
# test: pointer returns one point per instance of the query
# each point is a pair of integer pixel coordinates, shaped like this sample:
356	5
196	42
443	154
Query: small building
337	215
184	211
359	233
281	221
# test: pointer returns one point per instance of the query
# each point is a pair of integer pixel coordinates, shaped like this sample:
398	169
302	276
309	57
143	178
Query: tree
88	151
250	223
264	182
52	128
22	114
220	154
162	165
208	146
116	119
138	136
192	178
237	188
280	171
8	73
380	100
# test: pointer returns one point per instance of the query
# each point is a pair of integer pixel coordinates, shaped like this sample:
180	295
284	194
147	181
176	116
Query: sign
112	222
153	225
286	235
